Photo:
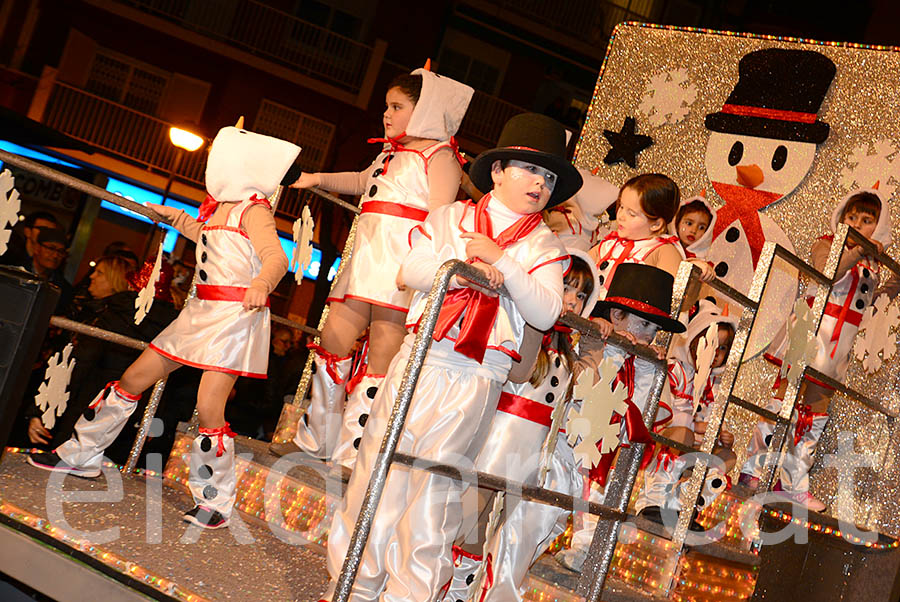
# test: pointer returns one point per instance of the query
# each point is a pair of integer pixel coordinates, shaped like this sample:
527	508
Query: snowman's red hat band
765	113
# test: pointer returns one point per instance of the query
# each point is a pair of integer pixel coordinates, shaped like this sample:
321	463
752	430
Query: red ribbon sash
477	310
395	209
214	292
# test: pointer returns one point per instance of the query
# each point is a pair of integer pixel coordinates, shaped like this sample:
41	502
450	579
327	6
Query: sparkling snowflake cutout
870	163
52	397
706	353
303	234
591	424
145	296
9	208
802	345
880	341
668	97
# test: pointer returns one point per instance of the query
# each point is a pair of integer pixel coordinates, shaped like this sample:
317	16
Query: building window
309	133
126	81
473	62
328	17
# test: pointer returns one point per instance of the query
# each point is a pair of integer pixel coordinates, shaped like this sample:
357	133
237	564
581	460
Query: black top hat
778	94
643	290
535	139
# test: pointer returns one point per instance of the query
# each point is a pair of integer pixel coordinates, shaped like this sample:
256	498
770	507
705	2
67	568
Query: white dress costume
395	200
614	250
408	554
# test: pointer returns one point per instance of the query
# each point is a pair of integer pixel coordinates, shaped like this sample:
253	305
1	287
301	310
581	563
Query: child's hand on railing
307	180
481	247
605	326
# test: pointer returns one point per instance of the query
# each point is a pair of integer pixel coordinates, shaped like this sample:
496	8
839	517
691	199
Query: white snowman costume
395	200
661	478
577	220
213	331
614	250
513	451
408	554
848	300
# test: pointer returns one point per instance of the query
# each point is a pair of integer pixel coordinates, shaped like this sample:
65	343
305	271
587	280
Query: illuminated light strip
826	530
167	586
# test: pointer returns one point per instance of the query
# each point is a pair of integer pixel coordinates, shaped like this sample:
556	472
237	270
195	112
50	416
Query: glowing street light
189	141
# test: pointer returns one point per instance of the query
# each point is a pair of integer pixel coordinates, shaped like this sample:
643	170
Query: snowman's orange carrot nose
749	176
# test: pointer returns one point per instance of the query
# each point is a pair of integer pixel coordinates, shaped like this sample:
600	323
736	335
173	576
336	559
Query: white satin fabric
98	427
221	335
211	478
382	241
318	428
355	418
408	555
759	442
615	247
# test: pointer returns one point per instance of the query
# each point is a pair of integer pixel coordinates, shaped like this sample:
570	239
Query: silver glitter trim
144	429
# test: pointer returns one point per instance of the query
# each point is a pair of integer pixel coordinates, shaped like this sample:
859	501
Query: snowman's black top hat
644	290
535	139
778	95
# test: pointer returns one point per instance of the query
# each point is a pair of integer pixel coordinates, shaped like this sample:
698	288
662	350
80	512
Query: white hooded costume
699	247
577	220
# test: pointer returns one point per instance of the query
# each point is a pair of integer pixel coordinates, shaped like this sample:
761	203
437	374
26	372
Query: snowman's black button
860	304
864	288
866	273
373	190
721	269
603	265
732	234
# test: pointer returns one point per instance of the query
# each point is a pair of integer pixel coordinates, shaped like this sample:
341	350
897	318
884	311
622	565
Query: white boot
799	459
752	469
356	414
212	479
319	428
97	428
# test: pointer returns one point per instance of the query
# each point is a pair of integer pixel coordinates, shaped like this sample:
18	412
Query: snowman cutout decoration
762	144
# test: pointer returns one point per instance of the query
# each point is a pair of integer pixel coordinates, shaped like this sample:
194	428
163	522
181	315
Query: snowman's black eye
779	157
737	151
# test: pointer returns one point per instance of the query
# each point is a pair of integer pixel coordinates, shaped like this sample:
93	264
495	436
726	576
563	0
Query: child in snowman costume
856	279
223	328
513	449
690	401
417	171
577	221
408	554
693	225
638	301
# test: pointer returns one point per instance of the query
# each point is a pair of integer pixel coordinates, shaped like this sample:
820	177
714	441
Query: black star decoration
626	144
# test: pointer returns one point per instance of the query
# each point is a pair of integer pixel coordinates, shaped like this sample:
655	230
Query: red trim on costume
254	200
123	393
227	229
207	208
413	229
369	301
778	114
216	292
549	261
330	359
523	407
395	209
528	148
414	327
185	362
638	305
220	432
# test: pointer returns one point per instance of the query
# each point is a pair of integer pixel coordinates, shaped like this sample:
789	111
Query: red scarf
209	205
479	311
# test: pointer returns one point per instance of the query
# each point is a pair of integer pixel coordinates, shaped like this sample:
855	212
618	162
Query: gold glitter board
815	134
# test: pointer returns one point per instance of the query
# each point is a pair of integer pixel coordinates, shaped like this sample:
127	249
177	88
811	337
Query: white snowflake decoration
9	208
52	397
145	297
303	234
879	342
706	353
870	163
591	423
668	97
802	345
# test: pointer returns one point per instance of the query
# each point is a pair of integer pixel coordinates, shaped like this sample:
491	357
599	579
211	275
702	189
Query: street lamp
183	140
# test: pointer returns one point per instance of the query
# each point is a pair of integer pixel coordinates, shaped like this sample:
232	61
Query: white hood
592	300
707	314
882	229
441	107
242	163
701	245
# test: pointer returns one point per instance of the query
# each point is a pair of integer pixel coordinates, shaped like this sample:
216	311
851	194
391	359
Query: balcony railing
119	130
485	118
269	33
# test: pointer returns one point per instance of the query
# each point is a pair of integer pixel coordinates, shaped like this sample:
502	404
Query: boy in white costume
408	554
638	301
223	328
856	279
417	170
